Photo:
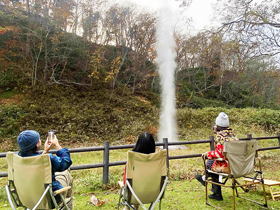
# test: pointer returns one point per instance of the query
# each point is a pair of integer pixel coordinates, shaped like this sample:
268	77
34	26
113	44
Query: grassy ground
182	192
89	118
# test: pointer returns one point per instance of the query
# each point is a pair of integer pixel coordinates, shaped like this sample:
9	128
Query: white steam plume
166	55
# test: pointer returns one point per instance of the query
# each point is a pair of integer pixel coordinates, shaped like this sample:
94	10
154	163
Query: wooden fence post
278	135
106	163
212	143
165	146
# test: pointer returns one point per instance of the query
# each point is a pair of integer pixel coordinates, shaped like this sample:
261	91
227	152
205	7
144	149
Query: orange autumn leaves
8	28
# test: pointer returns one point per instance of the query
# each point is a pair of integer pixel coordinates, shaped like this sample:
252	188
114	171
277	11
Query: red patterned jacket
221	137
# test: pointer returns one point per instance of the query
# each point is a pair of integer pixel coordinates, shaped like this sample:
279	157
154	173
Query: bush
268	119
10	120
8	80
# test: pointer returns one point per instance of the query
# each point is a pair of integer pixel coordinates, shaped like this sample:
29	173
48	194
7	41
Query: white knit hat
222	120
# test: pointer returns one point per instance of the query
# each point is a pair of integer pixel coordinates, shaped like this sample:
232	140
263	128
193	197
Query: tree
132	32
202	57
255	87
255	25
43	48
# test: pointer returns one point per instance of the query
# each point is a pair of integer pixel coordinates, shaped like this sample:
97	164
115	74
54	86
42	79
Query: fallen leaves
143	100
94	200
129	139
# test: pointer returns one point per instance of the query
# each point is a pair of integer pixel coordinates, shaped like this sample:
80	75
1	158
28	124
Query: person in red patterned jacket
223	134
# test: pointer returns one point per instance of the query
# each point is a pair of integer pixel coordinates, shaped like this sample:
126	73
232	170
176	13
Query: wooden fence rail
165	144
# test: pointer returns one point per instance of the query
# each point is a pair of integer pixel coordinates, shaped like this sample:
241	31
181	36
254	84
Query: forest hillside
88	70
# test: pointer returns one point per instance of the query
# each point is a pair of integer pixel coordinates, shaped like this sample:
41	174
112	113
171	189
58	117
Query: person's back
222	134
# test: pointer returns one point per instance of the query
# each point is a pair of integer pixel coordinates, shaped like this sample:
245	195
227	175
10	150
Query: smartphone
214	127
51	135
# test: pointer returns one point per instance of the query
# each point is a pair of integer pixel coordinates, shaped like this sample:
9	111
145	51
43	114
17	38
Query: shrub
10	120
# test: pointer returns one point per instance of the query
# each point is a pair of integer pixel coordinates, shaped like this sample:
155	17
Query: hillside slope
91	117
79	115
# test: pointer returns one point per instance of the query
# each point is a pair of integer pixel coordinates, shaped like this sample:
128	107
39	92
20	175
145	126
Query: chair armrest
218	173
61	190
121	184
218	159
204	157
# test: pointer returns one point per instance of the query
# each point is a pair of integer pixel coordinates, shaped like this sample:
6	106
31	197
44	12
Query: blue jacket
60	162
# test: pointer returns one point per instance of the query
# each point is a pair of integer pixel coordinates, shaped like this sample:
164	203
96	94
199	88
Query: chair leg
264	193
64	202
233	193
10	197
206	193
119	201
271	193
236	188
244	189
150	205
129	206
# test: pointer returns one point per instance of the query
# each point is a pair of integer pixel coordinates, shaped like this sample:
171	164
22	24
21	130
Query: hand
47	146
55	143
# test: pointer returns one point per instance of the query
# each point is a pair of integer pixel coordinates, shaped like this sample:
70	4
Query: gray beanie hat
27	140
222	120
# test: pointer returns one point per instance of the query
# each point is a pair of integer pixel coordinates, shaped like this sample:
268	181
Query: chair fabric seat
146	178
30	182
241	157
146	172
30	174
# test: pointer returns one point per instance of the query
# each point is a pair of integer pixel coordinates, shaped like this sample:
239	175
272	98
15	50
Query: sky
200	11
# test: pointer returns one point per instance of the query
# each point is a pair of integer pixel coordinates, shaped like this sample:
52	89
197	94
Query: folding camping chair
146	179
30	183
241	156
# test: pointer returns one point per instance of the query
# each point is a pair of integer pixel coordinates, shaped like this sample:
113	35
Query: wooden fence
165	144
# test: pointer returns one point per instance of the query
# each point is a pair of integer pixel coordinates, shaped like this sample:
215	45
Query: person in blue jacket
29	143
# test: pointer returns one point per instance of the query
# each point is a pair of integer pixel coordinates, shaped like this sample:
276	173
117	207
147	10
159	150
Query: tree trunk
76	18
46	65
115	80
28	7
221	84
133	89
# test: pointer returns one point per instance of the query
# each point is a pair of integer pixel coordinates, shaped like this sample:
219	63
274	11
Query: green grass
7	94
89	118
182	192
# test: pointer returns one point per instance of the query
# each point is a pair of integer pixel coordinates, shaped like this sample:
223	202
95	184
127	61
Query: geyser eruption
166	64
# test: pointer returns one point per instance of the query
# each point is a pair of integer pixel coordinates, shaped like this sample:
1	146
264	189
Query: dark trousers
215	188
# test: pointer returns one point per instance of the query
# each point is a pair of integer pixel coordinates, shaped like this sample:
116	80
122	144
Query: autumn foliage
95	44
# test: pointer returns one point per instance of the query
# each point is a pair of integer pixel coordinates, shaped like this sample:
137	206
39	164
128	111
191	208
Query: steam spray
166	55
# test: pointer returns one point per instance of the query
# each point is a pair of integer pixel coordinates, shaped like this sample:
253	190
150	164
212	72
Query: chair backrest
146	173
241	156
30	176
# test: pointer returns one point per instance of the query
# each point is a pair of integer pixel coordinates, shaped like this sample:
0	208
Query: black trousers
215	188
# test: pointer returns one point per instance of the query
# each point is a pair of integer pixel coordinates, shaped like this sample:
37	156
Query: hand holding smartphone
50	135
